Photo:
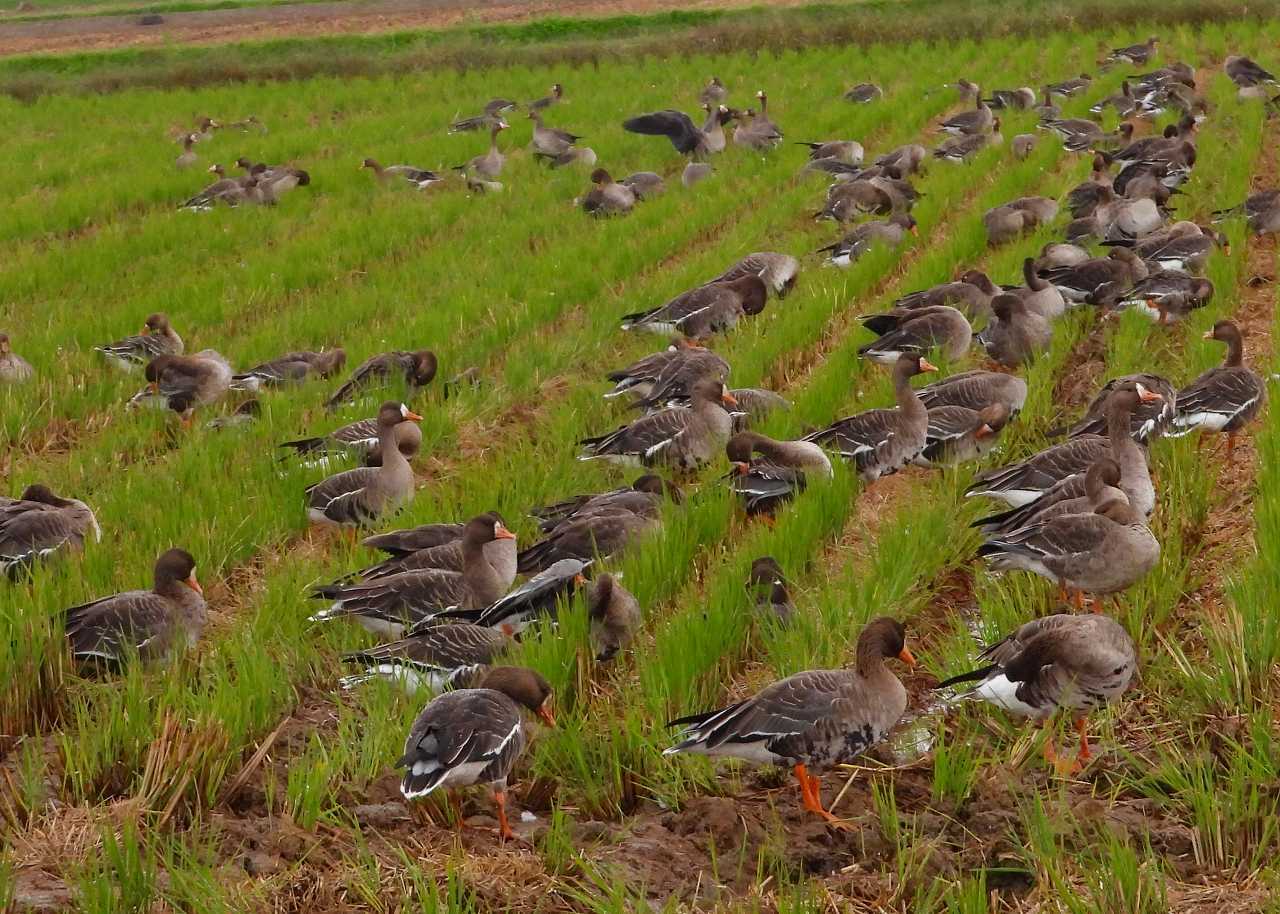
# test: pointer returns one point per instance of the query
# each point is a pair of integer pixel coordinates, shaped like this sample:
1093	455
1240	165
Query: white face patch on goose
404	410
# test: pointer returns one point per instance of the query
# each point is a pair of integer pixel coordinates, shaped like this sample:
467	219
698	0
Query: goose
976	390
677	437
146	624
963	148
917	331
550	140
1017	334
364	495
607	197
280	182
1009	221
1070	87
493	112
1168	295
475	736
1177	71
157	338
970	123
1076	133
1023	145
500	553
957	434
614	615
205	128
1223	399
1048	109
1245	73
555	95
39	525
188	156
847	200
971	294
1183	246
815	719
676	380
358	439
14	369
644	497
182	382
762	120
1084	198
1020	483
449	655
848	151
1136	54
780	272
231	191
704	310
1057	254
863	93
1039	296
676	126
1020	99
645	184
1149	420
881	441
538	598
487	166
908	159
769	585
777	475
417	368
1077	663
1122	101
1074	495
388	605
640	378
754	131
1096	140
1168	147
695	172
714	139
1079	282
968	90
1255	205
420	178
713	93
404	543
290	368
586	537
890	232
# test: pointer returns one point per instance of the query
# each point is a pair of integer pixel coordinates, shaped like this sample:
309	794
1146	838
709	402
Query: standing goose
1067	496
364	495
881	441
291	368
1039	295
417	368
615	615
1245	73
475	736
40	524
957	434
890	232
448	655
1149	419
488	165
1070	87
769	585
976	390
714	139
921	331
676	437
157	338
1223	399
183	382
14	369
755	131
713	93
908	159
1168	295
970	123
555	95
703	310
149	624
1017	335
550	140
644	498
607	197
1061	661
815	719
418	177
777	475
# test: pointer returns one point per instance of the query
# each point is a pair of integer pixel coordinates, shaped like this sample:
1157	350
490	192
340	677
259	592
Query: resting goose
542	104
958	434
1057	254
695	172
1186	249
863	93
183	382
970	123
663	375
971	295
1245	73
780	272
417	368
1023	145
1136	54
487	166
676	437
614	613
1149	419
1020	99
765	482
607	197
420	178
1084	198
976	390
39	524
157	338
1017	334
1123	102
291	368
500	553
644	184
1168	295
891	232
644	497
386	606
849	152
227	190
705	310
1018	217
1039	296
847	200
921	330
550	140
537	598
1121	269
1070	87
586	537
475	736
713	93
1261	210
908	159
769	585
14	369
149	624
1061	661
1067	496
963	148
359	438
882	441
815	719
449	655
364	495
1222	399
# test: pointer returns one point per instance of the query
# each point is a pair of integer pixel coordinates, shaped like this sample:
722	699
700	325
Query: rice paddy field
241	778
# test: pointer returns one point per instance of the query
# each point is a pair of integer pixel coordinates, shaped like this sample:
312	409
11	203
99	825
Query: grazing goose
291	368
848	151
704	310
644	497
39	524
882	441
695	172
1011	220
815	719
1020	99
1149	419
713	93
971	295
1070	87
1061	661
493	112
1067	496
917	331
645	184
1136	54
607	197
147	624
963	148
575	155
487	166
449	655
1123	102
1017	334
766	482
500	553
420	178
908	159
957	434
970	123
780	272
475	736
1039	296
359	439
417	368
542	104
891	232
668	372
863	93
188	156
676	437
586	537
976	390
183	382
1023	482
550	140
1245	73
364	495
769	585
386	606
1121	269
678	127
157	338
615	615
1168	295
1223	399
14	369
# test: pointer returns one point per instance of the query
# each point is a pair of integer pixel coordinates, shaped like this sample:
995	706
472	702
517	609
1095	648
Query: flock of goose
445	594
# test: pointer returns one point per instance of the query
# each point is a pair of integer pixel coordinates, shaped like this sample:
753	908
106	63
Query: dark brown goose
366	494
676	437
1017	334
1222	399
157	338
438	657
815	719
686	136
976	390
922	330
779	471
147	624
643	497
39	524
291	368
615	615
14	369
417	369
957	434
475	736
704	310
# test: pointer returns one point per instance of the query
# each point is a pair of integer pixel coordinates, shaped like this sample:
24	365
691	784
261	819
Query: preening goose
585	537
438	657
364	495
684	361
157	338
39	524
766	481
780	272
908	159
976	390
848	151
958	434
1067	496
537	598
922	330
420	178
1222	399
607	197
970	123
644	184
1023	145
1183	246
815	719
676	437
1020	99
417	368
768	584
475	736
1017	334
614	613
183	382
291	368
704	310
891	232
14	369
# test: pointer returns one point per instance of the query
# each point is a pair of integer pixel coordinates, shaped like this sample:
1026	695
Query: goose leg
504	827
1077	599
1062	767
1231	444
1062	592
1085	754
811	791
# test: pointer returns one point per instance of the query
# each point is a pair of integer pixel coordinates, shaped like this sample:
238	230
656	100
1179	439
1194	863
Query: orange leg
456	802
1062	592
1085	754
1078	599
1231	444
811	792
504	827
1061	766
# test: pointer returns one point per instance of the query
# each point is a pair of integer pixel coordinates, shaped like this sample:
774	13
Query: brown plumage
362	496
417	369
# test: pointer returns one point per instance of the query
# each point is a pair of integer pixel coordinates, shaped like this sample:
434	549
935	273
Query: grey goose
641	378
554	95
364	495
487	166
767	583
416	369
921	330
644	497
1067	496
679	437
1017	334
1149	419
550	140
763	483
432	659
971	295
890	232
183	382
40	524
614	615
421	178
291	368
958	434
14	369
976	390
1223	399
704	310
607	197
863	93
156	338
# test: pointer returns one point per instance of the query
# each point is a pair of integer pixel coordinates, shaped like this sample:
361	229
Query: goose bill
548	718
193	583
907	657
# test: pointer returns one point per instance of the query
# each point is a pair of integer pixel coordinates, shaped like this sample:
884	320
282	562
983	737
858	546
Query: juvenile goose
1149	419
475	736
881	441
1168	295
891	232
918	331
770	588
416	368
676	437
157	338
438	657
780	272
487	166
863	93
1023	145
291	368
14	369
765	482
1017	334
388	605
1222	399
550	140
420	178
704	310
1078	663
586	537
183	382
364	495
39	524
668	373
815	719
957	434
1067	496
359	438
971	295
149	624
643	497
976	390
607	197
614	613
